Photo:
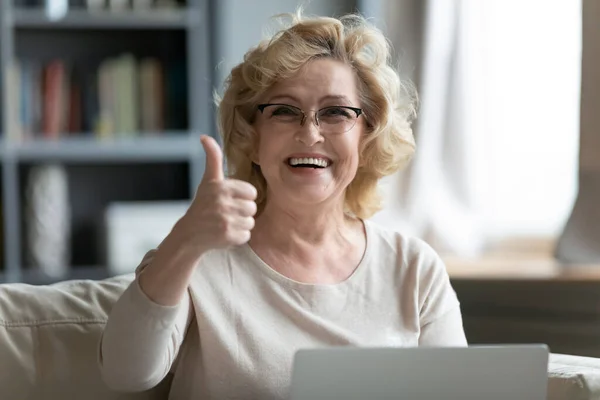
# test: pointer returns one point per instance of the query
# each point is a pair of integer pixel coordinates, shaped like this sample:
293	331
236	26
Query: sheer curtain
497	133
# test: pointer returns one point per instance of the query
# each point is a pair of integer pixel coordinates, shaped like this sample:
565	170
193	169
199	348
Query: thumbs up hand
222	212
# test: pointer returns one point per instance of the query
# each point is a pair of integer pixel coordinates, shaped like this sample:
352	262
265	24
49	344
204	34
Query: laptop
498	372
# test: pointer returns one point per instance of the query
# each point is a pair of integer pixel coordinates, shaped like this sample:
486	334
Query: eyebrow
336	97
283	97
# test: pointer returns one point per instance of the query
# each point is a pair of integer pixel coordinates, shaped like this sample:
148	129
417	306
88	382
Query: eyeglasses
334	119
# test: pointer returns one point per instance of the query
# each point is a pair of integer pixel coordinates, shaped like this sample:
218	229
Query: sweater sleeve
445	331
440	314
141	339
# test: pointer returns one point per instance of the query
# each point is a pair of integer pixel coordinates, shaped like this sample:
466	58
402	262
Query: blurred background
103	102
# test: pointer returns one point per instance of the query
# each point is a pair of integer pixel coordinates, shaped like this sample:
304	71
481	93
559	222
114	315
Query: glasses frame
356	110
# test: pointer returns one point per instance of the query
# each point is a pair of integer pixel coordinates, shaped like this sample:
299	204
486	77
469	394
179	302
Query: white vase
48	220
56	9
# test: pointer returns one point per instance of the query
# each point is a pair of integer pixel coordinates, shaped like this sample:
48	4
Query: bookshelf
131	20
68	99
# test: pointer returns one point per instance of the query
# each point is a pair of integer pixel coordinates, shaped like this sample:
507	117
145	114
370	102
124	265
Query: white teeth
319	162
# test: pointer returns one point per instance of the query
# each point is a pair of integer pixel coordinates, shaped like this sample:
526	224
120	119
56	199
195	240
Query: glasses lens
336	119
283	113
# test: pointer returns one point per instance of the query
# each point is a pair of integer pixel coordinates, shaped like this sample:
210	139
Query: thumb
214	159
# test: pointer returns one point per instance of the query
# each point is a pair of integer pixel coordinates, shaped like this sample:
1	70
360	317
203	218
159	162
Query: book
120	97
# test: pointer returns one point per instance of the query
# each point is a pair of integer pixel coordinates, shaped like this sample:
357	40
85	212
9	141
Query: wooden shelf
79	19
172	146
519	268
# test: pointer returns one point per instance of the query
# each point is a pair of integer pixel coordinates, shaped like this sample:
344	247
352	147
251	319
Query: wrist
181	244
166	278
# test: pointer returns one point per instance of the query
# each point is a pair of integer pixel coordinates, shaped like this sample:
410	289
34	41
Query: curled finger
244	223
244	208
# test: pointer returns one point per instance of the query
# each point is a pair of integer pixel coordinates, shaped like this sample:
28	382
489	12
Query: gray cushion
49	340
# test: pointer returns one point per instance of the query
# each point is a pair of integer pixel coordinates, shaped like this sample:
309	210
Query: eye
336	113
286	111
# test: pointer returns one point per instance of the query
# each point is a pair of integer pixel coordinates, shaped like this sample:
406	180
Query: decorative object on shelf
133	228
48	220
142	4
95	5
118	5
56	9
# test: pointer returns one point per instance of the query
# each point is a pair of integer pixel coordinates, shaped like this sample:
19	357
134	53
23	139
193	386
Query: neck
289	228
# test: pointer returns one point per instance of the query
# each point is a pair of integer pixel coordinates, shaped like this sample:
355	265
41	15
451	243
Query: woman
280	256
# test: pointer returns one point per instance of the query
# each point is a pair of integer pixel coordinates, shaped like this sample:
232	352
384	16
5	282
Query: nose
309	134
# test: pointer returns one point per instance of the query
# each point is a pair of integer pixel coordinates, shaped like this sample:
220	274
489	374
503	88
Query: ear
253	156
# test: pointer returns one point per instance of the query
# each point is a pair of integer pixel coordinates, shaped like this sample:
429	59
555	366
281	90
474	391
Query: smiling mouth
308	162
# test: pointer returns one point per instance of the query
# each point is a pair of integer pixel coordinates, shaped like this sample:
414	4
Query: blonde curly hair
388	103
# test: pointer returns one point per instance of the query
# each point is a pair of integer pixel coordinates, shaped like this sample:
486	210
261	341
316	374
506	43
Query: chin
304	193
306	197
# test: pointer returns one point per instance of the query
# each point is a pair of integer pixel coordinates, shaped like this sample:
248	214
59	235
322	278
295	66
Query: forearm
141	340
166	279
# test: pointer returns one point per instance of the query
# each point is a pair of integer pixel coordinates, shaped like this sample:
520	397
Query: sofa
49	344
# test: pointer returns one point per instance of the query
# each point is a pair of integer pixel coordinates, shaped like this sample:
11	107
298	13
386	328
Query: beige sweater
235	336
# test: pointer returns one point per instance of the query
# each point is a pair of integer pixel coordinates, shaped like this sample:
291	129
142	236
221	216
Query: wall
402	22
590	88
580	240
239	25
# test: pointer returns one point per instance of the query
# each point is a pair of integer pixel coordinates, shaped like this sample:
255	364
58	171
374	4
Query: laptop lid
516	372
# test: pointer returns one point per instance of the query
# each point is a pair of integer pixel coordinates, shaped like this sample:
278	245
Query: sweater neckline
284	280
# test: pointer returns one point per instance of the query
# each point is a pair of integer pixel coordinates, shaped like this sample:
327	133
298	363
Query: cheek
348	163
349	150
269	148
261	144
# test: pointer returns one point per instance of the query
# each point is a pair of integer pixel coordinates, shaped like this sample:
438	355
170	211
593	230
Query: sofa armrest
573	377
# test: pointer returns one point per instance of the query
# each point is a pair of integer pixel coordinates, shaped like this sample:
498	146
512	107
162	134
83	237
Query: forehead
319	79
